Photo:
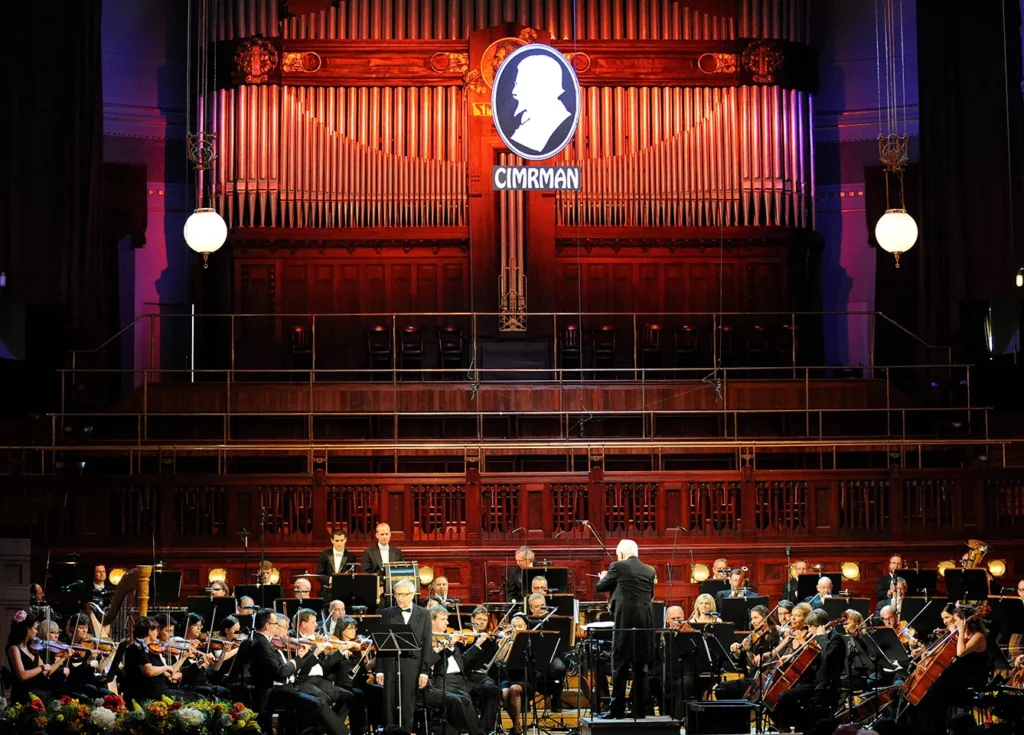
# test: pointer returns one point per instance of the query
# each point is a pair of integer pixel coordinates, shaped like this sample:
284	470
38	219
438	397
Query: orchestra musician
194	671
381	553
551	679
30	673
413	667
704	610
316	675
750	653
793	638
146	674
98	591
894	598
968	671
84	674
824	591
790	592
738	586
631	585
819	686
336	559
218	588
885	584
450	685
514	690
335	612
782	614
524	557
273	677
720	570
539	585
366	708
438	591
302	589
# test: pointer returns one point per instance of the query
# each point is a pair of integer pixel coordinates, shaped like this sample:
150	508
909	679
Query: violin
57	647
171	646
99	644
218	644
291	644
681	626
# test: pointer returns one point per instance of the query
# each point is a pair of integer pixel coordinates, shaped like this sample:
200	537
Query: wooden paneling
749	517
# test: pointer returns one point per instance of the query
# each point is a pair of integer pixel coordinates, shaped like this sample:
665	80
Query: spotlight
997	567
426	576
946	565
115	575
1019	280
217	575
699	573
851	570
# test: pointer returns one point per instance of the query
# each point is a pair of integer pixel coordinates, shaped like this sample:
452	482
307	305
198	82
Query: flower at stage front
114	703
190	718
226	721
103	718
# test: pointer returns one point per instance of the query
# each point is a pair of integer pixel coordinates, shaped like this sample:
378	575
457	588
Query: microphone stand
263	557
675	539
245	562
605	548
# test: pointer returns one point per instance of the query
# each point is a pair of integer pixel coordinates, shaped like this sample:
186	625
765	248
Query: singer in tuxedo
336	559
413	666
381	553
631	584
887	582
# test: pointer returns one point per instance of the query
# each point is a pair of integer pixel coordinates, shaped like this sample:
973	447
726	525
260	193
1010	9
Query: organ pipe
296	156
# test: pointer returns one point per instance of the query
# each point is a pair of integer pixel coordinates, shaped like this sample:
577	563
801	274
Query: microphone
788	548
517	530
72	585
581	523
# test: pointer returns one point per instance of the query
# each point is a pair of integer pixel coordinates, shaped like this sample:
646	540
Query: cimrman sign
535	104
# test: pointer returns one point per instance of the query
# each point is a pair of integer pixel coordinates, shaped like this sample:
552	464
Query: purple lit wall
144	98
846	128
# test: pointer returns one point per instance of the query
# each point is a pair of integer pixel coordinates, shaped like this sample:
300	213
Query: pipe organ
368	120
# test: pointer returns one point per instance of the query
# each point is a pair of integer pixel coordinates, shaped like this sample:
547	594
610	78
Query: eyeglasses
403	594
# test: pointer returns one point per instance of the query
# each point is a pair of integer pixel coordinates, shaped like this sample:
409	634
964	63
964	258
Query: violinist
194	672
750	653
818	687
783	611
704	610
272	675
31	673
793	639
146	675
227	668
514	691
320	672
969	670
450	686
485	647
367	705
85	669
50	650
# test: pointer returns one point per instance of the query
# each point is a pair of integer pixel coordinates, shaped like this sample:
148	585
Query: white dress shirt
339	560
385	554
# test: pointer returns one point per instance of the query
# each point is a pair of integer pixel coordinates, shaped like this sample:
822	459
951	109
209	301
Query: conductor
631	584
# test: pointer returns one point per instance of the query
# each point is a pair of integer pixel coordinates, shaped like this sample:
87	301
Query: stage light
851	571
426	576
115	575
205	232
217	575
944	565
1019	280
273	576
699	573
997	567
896	232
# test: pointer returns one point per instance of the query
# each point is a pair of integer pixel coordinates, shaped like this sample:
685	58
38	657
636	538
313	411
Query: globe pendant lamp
896	232
205	232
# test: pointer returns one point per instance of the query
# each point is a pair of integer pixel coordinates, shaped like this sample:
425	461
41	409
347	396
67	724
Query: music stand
564	604
1008	613
366	623
719	638
920	581
713	586
395	639
354	589
736	610
894	656
966	584
165	587
291	605
557	577
922	613
532	651
836	606
261	594
212	609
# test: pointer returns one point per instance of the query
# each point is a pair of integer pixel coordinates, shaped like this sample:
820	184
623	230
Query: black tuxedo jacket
371	562
266	667
466	661
631	584
325	565
420	624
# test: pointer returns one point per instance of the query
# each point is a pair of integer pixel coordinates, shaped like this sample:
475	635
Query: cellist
969	670
820	683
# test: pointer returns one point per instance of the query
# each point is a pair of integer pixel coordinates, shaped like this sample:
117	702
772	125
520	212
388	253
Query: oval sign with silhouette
535	101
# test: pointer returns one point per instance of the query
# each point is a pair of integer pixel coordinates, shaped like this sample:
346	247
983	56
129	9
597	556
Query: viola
99	644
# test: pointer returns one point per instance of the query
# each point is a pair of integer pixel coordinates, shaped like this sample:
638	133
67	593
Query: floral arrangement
165	716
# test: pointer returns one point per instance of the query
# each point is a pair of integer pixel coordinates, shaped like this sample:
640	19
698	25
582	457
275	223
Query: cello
788	673
929	669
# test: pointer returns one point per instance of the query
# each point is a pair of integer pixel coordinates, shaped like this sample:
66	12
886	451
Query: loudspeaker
717	718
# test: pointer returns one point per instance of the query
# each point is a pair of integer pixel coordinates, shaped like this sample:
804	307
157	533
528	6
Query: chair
449	347
603	341
410	350
687	340
650	346
569	352
302	349
378	344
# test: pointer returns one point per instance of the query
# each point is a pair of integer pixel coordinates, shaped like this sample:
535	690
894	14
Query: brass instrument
978	550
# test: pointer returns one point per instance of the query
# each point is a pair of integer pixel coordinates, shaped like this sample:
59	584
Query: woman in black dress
31	675
145	676
748	655
514	690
